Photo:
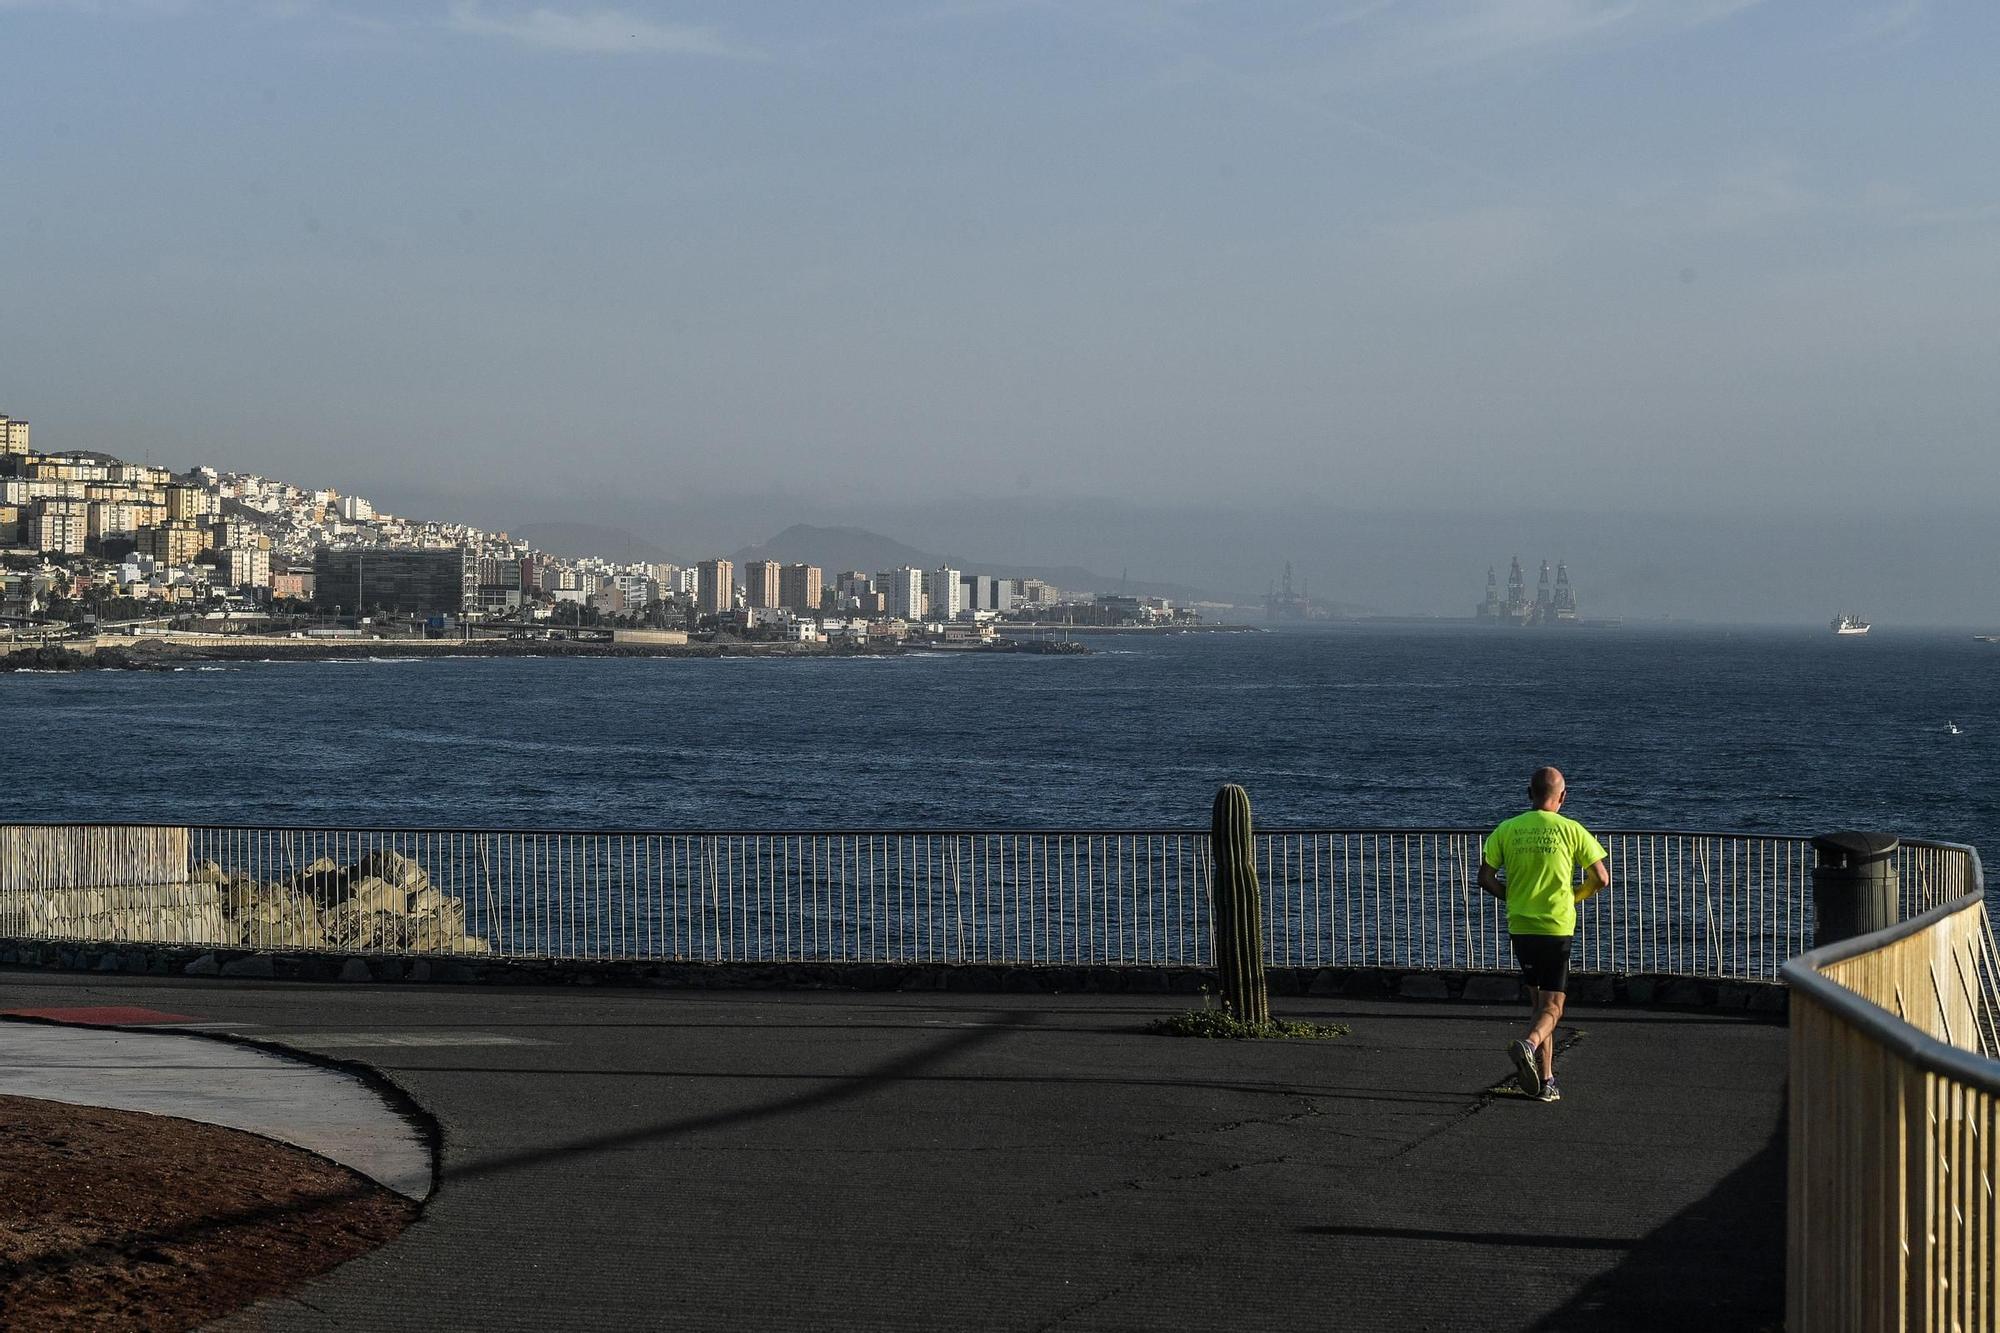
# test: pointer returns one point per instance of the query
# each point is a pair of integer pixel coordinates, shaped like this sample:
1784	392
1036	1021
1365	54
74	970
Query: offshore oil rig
1554	604
1283	602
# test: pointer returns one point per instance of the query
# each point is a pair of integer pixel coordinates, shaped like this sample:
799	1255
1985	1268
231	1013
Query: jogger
1540	852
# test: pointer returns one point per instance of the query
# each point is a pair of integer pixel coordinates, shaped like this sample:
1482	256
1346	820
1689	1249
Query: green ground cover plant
1220	1023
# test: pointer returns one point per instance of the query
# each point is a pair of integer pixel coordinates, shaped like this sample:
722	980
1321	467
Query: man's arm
1596	879
1489	881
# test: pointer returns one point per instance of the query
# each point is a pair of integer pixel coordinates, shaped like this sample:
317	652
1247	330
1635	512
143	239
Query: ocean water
1350	726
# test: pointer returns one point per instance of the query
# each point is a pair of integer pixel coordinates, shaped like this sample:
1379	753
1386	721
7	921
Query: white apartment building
59	526
139	474
947	595
65	467
983	592
355	509
637	590
190	504
1034	592
905	590
846	631
245	567
114	520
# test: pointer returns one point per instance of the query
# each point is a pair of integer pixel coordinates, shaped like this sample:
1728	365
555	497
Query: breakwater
151	885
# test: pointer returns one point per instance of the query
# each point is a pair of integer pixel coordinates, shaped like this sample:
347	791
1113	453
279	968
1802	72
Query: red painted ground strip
107	1015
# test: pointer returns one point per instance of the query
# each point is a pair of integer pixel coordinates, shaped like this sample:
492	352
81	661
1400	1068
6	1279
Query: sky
704	270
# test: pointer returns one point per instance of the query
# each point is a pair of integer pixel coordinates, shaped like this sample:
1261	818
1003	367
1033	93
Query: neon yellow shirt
1541	852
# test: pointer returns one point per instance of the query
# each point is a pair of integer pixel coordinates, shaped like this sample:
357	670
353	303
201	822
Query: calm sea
1762	731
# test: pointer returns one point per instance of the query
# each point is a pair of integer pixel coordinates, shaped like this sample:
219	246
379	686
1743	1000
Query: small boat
1953	729
1849	623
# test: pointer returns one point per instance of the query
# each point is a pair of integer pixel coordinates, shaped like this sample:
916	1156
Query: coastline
1057	627
147	654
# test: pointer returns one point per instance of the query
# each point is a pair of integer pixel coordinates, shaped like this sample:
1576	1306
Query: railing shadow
845	1088
1717	1264
52	1264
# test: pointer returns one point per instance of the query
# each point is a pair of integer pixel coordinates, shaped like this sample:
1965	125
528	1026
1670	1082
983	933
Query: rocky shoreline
382	901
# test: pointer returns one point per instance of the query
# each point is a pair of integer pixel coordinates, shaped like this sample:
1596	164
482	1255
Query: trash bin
1854	884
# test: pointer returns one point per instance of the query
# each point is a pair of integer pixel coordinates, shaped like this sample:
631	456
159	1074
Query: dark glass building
408	580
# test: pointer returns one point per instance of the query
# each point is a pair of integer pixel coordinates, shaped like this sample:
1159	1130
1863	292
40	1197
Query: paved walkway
925	1161
171	1073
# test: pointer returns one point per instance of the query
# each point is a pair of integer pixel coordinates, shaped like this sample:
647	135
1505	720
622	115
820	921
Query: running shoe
1550	1092
1525	1070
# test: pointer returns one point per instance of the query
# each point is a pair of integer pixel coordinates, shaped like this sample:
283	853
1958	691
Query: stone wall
381	902
72	856
152	913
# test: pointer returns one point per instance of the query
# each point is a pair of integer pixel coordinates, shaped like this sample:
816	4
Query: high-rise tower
760	584
715	587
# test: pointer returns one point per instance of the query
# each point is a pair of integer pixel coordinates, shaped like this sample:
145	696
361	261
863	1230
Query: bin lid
1849	847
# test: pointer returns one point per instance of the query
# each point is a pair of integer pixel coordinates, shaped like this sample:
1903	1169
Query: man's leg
1548	1005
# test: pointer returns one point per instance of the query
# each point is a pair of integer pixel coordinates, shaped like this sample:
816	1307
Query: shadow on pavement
1717	1264
845	1088
1526	1239
55	1262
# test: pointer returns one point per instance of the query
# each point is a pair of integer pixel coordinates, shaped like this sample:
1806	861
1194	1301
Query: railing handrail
1045	830
1804	974
1720	905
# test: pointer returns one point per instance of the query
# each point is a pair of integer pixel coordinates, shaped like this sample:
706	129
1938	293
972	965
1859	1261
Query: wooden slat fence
1895	1129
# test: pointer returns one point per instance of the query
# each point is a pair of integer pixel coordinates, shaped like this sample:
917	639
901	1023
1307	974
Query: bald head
1545	788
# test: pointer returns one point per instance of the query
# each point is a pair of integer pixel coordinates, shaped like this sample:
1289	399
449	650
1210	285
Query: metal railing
1696	904
1895	1126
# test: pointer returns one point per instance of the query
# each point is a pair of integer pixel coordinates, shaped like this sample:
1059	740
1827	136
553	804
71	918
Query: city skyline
1693	258
90	539
1747	568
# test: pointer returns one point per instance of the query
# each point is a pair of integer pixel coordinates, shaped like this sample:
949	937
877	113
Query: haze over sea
1350	726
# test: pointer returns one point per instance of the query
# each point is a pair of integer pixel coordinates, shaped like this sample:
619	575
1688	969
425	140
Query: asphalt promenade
673	1159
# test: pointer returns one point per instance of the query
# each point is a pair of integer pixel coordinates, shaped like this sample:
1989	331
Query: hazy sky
1589	255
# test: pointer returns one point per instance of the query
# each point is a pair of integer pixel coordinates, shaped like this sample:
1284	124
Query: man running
1541	852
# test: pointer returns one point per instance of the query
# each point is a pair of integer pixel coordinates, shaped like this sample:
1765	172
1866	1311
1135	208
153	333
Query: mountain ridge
577	540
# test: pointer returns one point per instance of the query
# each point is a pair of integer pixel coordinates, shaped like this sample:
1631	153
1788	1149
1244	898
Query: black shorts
1544	960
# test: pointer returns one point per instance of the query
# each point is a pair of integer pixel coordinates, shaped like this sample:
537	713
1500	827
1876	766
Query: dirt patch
117	1220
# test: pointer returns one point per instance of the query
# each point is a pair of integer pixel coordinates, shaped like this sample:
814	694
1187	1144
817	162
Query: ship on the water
1849	623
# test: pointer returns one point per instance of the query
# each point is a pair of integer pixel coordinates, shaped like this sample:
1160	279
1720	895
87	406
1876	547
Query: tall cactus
1238	916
